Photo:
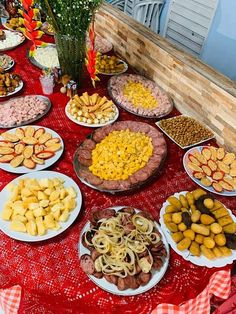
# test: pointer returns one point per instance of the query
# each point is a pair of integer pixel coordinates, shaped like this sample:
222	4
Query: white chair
120	4
148	12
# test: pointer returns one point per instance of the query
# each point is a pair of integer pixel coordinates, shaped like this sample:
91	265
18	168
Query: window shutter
188	23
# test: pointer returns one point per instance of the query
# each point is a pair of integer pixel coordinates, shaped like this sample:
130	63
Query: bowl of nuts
185	131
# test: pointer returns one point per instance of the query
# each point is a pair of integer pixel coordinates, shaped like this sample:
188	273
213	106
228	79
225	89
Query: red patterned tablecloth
49	272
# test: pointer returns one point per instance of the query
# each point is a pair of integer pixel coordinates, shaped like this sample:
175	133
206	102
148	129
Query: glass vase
71	54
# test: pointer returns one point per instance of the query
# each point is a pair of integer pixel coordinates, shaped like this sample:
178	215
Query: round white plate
87	124
68	182
201	260
21	84
117	73
20	40
190	173
48	162
107	286
10	64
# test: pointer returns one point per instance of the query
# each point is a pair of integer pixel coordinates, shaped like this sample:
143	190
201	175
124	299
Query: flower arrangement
70	19
31	26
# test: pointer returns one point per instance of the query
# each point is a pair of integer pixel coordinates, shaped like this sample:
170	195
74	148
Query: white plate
185	147
21	84
48	162
105	285
87	124
190	173
10	64
201	260
21	38
117	73
68	182
39	116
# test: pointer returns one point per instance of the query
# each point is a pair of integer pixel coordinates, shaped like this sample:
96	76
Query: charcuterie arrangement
140	96
121	156
124	247
121	248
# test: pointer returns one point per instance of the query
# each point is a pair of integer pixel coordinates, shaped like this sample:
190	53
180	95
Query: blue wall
220	47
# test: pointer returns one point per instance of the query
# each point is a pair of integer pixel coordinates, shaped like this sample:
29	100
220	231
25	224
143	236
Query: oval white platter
10	64
107	286
39	116
69	116
48	162
17	43
116	73
201	260
21	236
18	88
190	173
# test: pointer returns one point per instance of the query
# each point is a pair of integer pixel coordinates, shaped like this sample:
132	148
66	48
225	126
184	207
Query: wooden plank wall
197	89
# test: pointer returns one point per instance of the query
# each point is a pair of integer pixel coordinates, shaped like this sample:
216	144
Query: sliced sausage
85	153
129	210
111	278
87	264
90	144
95	254
85	162
144	278
121	284
98	275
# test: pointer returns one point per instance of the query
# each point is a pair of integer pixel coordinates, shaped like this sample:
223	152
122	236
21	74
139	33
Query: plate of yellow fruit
199	228
111	65
39	206
140	96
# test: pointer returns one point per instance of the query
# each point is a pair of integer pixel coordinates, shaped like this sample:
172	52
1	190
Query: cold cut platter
128	266
139	96
120	157
29	148
24	110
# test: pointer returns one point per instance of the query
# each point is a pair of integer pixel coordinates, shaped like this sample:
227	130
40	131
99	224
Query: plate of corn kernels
139	96
199	228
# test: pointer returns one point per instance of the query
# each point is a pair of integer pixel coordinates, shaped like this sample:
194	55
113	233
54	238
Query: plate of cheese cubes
38	206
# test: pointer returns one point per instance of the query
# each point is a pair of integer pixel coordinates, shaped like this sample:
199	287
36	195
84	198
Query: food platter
18	88
10	64
134	181
68	182
182	146
39	65
39	116
5	21
118	72
197	181
102	45
157	275
201	260
96	125
48	162
19	39
116	93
